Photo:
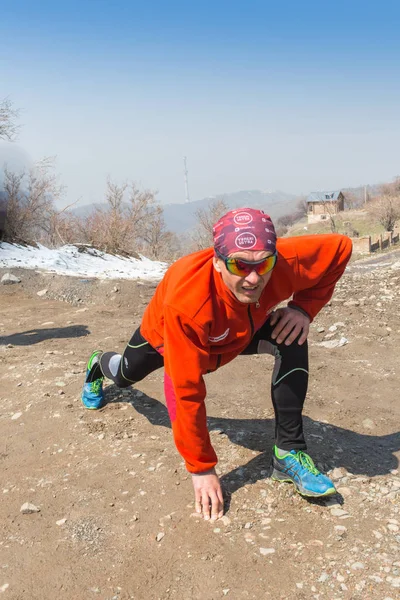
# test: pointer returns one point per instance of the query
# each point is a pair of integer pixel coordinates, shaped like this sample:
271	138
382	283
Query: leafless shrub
386	208
29	198
207	217
132	223
301	209
8	116
64	228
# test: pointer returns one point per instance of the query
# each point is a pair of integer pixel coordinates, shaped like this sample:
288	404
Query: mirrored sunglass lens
242	269
237	267
267	265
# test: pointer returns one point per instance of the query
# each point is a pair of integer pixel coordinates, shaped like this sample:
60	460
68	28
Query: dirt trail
114	497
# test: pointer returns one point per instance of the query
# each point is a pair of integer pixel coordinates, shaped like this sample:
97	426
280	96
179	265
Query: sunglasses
242	268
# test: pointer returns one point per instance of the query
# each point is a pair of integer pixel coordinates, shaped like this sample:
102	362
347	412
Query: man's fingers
208	495
197	501
294	334
303	336
274	317
285	332
280	326
216	507
205	505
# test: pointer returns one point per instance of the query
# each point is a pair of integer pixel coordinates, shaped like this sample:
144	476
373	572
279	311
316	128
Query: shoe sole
278	476
91	407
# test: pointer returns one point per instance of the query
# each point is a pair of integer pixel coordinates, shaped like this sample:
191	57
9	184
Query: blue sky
297	96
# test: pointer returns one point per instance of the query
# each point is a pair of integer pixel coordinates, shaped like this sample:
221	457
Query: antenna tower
185	174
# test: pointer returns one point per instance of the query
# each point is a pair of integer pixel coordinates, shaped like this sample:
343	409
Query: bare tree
30	197
207	217
64	227
8	117
133	222
108	229
301	208
386	208
159	243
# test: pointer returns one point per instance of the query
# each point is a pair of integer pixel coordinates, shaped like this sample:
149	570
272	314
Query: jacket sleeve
322	260
185	361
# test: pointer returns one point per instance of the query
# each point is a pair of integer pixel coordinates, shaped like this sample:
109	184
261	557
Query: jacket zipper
251	321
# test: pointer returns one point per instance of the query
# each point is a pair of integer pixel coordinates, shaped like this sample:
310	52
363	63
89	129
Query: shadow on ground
332	446
35	336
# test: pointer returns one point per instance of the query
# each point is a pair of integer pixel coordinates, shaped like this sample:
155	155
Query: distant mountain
181	218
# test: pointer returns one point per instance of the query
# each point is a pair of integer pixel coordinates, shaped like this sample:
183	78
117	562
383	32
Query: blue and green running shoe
92	394
298	468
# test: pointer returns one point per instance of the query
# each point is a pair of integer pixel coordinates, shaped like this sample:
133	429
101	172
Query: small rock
61	522
377	534
338	512
16	416
321	329
42	292
160	536
358	566
330	344
338	473
266	551
368	424
344	491
28	509
9	279
341	530
225	591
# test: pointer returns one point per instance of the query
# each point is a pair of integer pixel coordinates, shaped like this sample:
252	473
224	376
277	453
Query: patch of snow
68	260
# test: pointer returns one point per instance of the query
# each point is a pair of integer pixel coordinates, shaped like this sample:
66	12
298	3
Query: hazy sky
297	96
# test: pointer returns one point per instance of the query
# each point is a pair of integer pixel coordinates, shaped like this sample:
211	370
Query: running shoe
92	394
298	468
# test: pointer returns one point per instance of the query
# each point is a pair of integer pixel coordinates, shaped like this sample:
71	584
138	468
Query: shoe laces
96	385
306	461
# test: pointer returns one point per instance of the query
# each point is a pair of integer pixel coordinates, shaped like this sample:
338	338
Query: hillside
180	218
347	222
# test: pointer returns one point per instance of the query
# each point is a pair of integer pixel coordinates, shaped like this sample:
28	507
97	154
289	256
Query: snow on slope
68	260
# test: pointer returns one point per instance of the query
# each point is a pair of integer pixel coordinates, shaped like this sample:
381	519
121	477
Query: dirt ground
116	504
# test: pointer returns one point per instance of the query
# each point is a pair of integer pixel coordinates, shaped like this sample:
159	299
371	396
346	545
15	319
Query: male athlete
212	306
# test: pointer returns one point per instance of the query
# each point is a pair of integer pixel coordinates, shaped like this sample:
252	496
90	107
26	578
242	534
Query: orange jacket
198	325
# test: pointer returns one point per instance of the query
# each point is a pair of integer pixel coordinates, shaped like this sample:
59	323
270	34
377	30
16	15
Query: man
212	306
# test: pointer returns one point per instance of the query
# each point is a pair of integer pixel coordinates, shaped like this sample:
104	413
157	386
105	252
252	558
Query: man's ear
217	264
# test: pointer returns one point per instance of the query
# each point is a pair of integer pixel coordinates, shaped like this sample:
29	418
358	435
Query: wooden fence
367	243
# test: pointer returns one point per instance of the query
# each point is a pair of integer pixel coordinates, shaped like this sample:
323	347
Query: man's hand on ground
208	495
289	323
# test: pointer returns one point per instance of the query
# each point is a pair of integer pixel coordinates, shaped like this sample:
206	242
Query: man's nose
253	278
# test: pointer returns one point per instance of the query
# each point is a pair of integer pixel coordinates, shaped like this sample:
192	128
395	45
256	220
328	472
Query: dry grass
360	221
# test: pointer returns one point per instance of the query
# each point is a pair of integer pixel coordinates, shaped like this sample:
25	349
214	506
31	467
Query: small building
321	205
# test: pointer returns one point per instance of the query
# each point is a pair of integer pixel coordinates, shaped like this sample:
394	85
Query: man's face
246	289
